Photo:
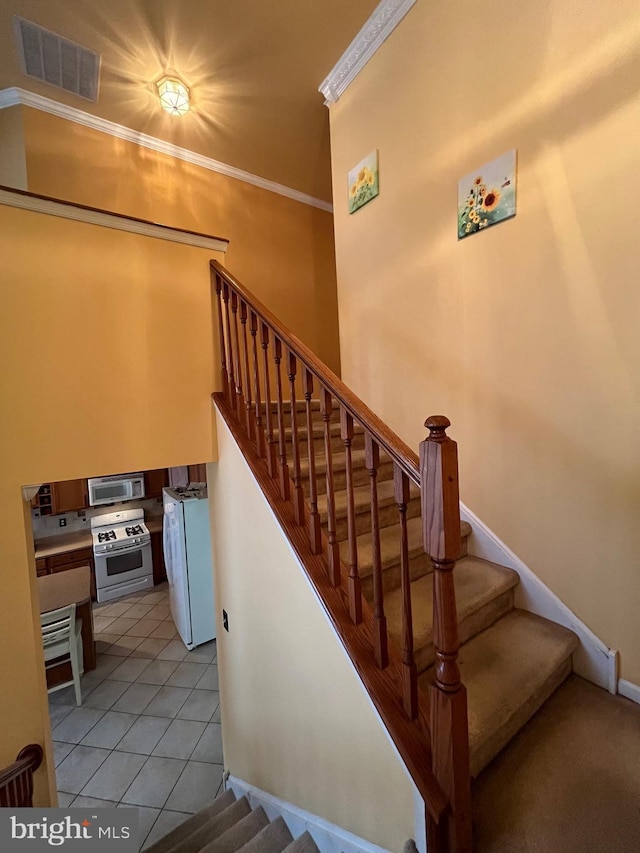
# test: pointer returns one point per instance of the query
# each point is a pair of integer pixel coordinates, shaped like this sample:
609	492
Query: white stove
122	549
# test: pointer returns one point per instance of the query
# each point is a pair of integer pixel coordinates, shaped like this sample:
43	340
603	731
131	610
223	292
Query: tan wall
13	162
296	720
107	350
281	249
526	335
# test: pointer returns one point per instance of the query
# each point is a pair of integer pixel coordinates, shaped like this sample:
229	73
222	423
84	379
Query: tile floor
148	731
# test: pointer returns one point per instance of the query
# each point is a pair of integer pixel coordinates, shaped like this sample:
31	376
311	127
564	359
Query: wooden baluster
409	670
253	325
442	541
298	494
354	583
223	347
248	404
380	646
231	382
315	537
282	444
270	447
333	549
237	404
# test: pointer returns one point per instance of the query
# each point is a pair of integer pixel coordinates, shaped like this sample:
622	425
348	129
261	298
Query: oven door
125	564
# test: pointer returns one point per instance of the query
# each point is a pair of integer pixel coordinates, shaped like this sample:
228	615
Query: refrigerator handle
165	547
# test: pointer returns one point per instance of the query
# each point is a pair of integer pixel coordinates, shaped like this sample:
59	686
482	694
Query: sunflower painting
363	182
487	196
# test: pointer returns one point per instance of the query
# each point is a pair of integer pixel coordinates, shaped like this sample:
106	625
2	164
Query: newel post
448	696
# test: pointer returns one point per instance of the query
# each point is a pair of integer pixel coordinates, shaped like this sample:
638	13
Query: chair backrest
58	625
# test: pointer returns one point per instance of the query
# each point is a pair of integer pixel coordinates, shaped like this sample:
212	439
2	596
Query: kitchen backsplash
49	525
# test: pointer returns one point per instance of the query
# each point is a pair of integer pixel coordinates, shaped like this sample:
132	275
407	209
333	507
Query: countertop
64	588
63	543
52	545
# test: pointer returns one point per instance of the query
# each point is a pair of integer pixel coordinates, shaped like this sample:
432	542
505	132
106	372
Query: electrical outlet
225	620
62	522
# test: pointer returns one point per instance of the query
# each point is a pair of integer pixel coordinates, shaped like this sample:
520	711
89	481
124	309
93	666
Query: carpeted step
239	834
272	839
484	593
188	840
419	562
509	671
360	473
193	823
387	508
303	844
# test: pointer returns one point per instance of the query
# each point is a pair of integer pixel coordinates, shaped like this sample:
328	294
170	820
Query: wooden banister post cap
437	426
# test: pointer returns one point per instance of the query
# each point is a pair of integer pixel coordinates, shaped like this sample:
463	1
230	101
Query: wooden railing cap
437	424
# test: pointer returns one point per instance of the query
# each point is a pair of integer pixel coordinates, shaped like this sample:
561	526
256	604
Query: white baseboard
629	690
328	837
593	660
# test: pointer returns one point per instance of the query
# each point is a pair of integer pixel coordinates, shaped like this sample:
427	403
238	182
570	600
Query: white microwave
120	487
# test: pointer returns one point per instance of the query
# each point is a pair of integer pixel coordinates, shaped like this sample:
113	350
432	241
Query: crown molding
93	216
385	18
22	97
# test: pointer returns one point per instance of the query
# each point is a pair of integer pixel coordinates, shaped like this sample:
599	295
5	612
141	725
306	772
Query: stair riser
360	478
418	566
469	627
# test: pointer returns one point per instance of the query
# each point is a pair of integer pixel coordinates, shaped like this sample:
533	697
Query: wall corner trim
385	18
21	97
593	659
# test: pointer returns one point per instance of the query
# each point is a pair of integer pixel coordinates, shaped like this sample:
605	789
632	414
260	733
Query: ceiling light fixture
174	96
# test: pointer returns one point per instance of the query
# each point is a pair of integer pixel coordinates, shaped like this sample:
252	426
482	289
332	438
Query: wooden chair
61	637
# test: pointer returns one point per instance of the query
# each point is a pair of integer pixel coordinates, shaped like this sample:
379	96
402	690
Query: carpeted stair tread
303	844
509	671
193	823
480	597
239	834
389	547
361	499
194	841
272	839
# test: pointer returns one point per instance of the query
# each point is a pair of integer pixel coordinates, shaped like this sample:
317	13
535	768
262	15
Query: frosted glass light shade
174	96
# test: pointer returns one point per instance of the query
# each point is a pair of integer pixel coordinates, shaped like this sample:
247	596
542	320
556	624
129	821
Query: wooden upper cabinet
154	482
69	495
198	473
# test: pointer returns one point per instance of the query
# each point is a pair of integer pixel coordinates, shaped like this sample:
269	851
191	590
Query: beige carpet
569	782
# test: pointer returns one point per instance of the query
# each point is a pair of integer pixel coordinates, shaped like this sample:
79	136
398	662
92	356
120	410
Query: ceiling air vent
56	60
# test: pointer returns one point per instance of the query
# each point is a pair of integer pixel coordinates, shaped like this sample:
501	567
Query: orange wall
107	348
281	249
525	335
13	164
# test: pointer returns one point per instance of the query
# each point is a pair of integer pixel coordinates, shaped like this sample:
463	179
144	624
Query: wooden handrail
431	736
386	438
16	780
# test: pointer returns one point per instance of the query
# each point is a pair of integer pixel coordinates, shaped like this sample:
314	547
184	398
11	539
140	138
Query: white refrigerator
187	557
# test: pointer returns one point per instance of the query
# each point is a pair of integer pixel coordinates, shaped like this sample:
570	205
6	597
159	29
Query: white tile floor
148	731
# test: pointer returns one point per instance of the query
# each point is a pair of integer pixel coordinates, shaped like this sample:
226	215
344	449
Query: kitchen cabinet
155	481
65	496
198	473
70	495
159	570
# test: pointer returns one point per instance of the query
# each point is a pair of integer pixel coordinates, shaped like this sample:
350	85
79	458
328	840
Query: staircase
453	667
229	825
511	661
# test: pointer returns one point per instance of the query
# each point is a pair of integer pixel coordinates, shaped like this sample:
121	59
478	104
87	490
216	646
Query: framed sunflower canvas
487	196
363	182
